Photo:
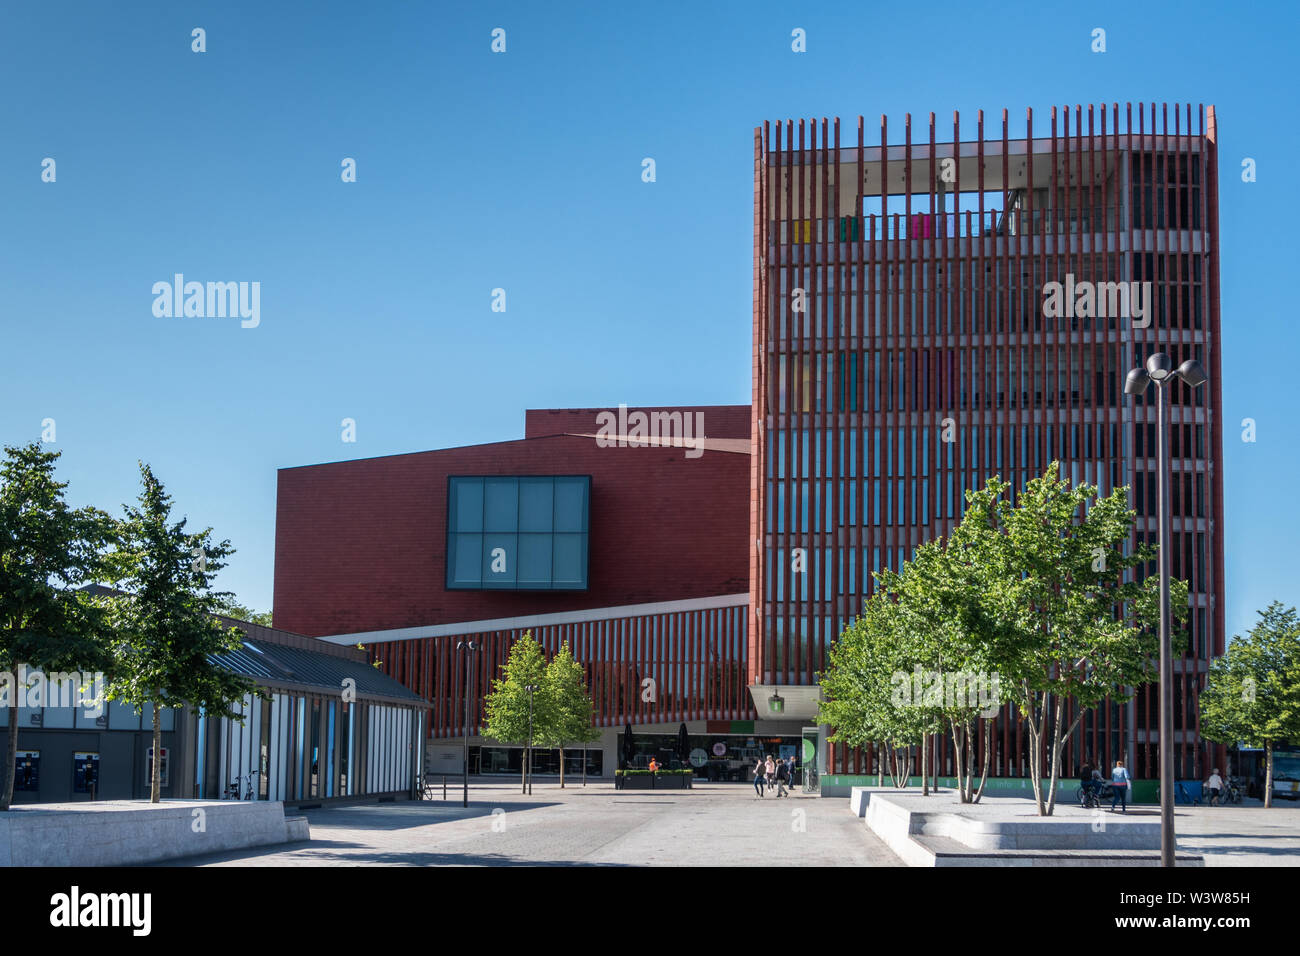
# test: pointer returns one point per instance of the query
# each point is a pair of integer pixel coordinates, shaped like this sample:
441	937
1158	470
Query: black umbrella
629	747
684	746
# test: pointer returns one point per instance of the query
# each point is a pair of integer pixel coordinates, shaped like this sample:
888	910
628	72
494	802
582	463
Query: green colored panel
742	727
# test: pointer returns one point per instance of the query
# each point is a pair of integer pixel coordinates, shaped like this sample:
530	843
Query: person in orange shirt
654	765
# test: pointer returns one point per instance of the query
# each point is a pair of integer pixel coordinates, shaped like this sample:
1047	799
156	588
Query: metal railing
929	225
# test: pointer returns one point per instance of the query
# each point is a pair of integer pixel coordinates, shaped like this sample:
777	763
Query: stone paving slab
710	825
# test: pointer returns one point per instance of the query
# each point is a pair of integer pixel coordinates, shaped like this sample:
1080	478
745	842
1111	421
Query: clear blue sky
522	171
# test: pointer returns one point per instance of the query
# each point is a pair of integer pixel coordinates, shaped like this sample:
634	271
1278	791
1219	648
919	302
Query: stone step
949	852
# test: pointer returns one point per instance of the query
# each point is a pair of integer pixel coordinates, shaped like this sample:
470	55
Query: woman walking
1120	780
770	772
759	768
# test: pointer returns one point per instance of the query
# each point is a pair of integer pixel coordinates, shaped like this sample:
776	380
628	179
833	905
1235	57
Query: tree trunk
11	765
956	757
880	767
584	763
938	757
1057	741
155	778
1035	730
1268	770
988	757
970	764
523	772
561	766
925	766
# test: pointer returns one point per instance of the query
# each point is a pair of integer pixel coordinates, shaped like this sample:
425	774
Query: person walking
1215	786
771	772
782	775
759	769
1119	781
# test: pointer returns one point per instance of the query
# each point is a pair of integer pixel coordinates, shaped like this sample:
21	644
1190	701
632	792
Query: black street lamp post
469	647
1159	369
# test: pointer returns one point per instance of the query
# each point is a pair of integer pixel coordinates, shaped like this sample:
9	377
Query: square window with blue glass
518	533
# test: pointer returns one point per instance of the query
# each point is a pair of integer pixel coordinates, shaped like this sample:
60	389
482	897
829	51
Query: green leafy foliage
1039	593
48	551
570	715
1252	694
165	637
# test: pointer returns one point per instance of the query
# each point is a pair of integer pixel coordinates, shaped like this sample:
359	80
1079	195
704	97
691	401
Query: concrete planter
125	832
653	781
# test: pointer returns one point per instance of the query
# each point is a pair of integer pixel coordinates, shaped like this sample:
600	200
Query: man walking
782	775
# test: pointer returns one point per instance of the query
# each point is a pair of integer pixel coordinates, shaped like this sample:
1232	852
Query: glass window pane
570	561
466	560
501	504
535	503
535	560
500	557
571	504
466	511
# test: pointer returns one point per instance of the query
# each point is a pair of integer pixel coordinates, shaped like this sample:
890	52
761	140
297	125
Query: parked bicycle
1091	798
242	788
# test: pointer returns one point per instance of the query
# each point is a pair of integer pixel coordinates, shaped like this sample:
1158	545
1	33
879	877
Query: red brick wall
720	421
361	545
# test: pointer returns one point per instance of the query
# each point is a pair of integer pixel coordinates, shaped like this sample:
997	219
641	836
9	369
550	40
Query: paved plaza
711	825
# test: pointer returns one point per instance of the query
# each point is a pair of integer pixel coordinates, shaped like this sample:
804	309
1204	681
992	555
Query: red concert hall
903	351
627	542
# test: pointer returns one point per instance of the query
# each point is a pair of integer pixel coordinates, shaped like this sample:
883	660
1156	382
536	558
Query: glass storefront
510	761
715	756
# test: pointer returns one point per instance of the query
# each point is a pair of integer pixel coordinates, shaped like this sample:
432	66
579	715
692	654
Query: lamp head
1159	367
1136	382
1193	373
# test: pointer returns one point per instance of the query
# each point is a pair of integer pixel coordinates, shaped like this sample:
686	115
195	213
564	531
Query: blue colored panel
534	560
500	558
571	499
535	508
466	511
570	561
464	561
501	504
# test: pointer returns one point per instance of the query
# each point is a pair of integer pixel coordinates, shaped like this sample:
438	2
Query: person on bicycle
1089	780
1214	786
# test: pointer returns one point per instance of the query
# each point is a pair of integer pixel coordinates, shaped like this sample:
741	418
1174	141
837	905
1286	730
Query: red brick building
900	296
363	550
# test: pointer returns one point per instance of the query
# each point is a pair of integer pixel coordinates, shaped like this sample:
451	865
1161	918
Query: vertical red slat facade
952	330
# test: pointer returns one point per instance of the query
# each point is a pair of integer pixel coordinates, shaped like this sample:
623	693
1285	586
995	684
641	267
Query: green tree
859	694
1066	617
47	551
1252	693
568	705
229	607
507	705
164	632
944	644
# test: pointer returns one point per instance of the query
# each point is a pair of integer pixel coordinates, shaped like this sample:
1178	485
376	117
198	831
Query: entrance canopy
797	701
